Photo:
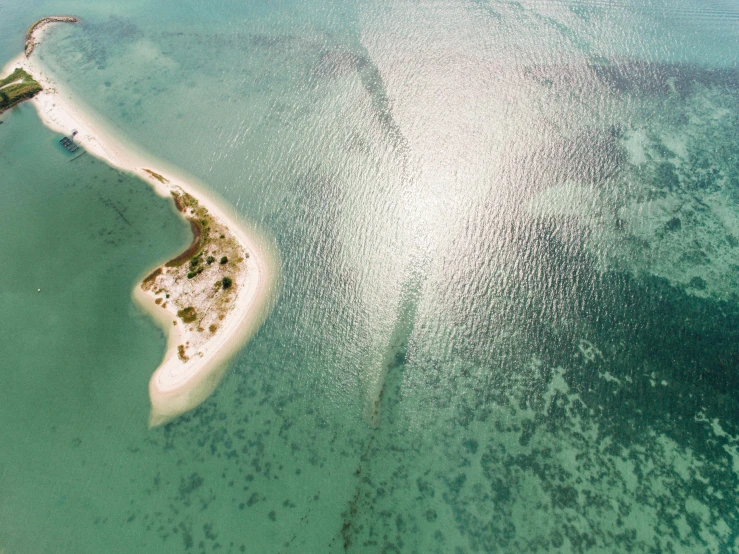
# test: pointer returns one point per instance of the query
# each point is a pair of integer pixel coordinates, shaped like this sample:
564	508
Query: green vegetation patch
153	275
16	87
195	272
197	243
188	315
181	353
200	222
156	176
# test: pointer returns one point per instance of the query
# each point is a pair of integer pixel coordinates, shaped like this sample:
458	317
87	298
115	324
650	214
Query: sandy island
212	298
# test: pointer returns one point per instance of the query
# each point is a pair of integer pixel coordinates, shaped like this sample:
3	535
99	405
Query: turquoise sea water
508	317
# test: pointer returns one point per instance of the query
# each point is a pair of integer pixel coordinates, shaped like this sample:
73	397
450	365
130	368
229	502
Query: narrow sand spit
196	357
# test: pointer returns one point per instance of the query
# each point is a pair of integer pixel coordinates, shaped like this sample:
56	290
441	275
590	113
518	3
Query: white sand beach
179	383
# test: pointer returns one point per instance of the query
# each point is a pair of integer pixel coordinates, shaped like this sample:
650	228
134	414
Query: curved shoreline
180	382
31	39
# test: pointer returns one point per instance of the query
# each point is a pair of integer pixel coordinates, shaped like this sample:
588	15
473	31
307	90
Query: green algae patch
17	87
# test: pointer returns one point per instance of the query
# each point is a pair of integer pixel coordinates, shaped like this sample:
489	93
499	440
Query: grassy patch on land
16	87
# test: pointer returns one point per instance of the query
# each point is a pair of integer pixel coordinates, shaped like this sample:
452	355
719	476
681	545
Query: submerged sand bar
206	318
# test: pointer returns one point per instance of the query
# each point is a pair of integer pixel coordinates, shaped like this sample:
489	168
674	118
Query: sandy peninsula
212	298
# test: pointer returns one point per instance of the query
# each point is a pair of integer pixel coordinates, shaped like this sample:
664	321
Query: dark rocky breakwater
31	33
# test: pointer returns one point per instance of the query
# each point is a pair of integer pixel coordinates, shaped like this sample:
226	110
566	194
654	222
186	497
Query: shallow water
508	308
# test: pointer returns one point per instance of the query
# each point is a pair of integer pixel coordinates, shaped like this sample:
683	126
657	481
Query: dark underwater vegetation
508	317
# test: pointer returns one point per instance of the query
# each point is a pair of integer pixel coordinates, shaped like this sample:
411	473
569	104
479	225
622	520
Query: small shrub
224	260
188	315
210	260
194	262
227	282
191	275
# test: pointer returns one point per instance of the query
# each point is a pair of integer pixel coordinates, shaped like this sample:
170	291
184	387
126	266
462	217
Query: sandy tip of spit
176	388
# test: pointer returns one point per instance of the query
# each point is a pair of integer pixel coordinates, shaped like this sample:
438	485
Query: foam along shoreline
196	358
